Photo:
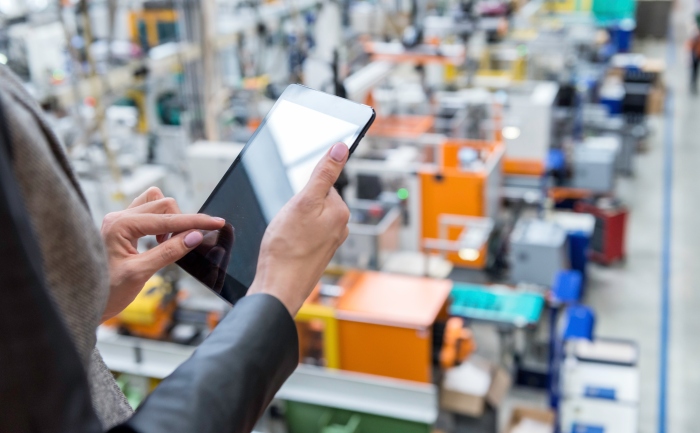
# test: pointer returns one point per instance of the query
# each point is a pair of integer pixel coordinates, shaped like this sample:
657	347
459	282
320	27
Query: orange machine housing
385	323
448	189
417	57
523	167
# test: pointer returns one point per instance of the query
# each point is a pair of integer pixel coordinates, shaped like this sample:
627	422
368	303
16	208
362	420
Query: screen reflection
276	164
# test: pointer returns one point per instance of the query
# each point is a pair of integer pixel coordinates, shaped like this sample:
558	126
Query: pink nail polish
339	152
193	239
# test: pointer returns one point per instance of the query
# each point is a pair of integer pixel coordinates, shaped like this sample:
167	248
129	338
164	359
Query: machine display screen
275	164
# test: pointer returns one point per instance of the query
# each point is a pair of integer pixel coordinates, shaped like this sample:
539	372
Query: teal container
606	11
310	418
477	302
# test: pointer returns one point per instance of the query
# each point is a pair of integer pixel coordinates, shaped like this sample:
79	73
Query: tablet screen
276	163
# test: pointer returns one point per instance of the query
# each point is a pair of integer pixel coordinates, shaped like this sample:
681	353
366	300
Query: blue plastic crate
567	287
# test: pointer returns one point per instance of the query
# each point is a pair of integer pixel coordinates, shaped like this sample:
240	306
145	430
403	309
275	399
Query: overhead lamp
511	132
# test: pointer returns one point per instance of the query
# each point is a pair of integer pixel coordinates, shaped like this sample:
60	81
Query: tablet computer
274	165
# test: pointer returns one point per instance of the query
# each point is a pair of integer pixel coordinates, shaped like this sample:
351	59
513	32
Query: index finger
158	224
151	194
327	170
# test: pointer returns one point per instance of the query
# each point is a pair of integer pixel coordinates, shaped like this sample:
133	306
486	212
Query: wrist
261	287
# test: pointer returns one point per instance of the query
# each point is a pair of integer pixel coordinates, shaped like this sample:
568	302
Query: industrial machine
465	183
601	386
375	323
466	114
537	252
631	131
501	66
207	162
527	127
374	234
155	24
595	163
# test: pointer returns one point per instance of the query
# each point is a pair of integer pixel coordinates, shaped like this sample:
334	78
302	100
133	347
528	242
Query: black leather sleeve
230	379
43	386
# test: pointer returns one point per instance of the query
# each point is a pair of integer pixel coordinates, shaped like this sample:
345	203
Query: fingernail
193	239
221	220
338	152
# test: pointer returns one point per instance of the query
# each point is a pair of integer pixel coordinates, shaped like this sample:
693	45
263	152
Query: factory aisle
627	298
684	392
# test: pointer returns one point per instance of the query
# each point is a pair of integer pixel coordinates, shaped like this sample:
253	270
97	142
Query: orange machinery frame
385	323
447	189
407	126
417	58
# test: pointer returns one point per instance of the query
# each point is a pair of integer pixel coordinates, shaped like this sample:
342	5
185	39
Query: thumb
327	170
170	251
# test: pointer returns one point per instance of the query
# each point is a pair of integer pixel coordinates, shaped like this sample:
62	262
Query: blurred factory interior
522	222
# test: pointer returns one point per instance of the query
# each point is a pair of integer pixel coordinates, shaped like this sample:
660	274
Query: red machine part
608	242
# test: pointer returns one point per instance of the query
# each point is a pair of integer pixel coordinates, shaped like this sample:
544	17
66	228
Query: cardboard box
657	66
656	101
519	413
475	405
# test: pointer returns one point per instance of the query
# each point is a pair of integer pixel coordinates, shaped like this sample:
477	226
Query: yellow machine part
144	309
139	98
310	312
569	5
516	72
151	18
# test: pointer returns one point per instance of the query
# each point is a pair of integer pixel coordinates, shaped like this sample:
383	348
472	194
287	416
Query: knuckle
130	270
327	174
344	213
109	221
170	204
153	193
341	213
169	253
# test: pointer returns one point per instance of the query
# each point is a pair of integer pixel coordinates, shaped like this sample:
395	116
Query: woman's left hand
150	214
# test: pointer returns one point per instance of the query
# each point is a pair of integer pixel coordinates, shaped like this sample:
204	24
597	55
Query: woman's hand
216	250
150	214
301	240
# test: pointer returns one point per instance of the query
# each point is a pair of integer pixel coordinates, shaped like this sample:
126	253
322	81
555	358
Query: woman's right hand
301	240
